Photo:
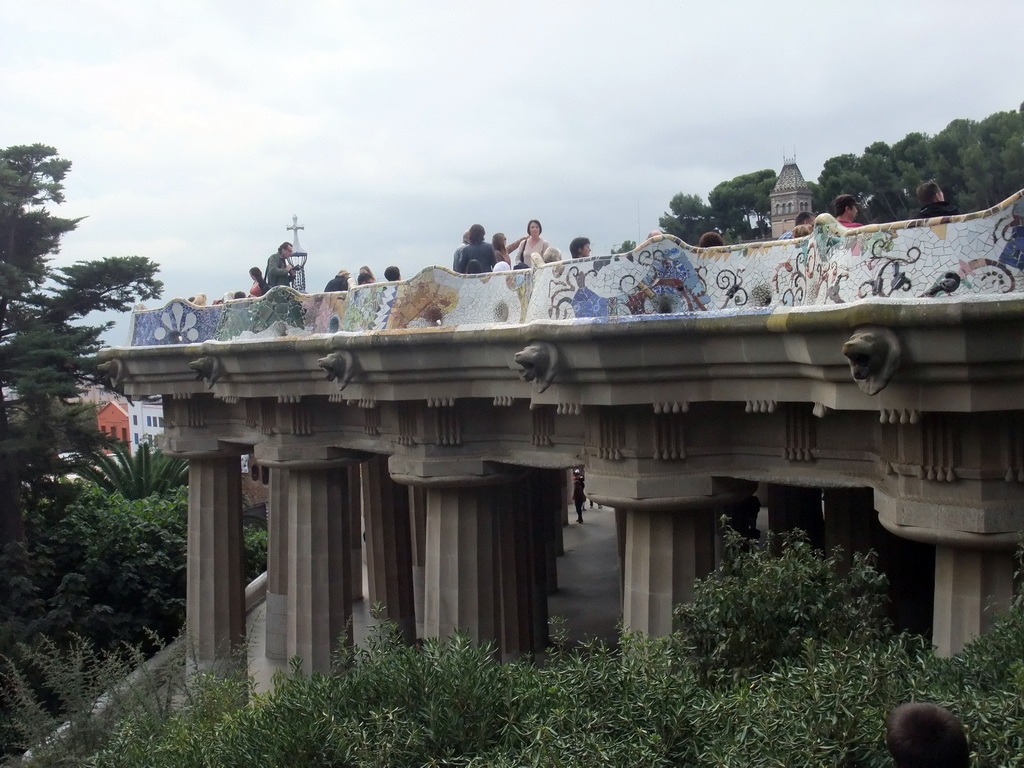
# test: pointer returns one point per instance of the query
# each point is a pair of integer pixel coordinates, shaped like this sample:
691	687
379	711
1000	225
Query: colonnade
477	554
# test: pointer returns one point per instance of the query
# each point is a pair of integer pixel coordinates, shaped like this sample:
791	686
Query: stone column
462	582
215	601
669	537
466	559
526	497
850	522
277	566
389	545
548	497
418	524
319	567
792	507
620	548
666	552
516	573
973	568
971	587
355	504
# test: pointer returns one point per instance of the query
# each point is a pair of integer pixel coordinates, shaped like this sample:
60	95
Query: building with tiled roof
790	196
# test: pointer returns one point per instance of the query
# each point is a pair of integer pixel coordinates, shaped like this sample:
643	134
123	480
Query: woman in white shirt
530	243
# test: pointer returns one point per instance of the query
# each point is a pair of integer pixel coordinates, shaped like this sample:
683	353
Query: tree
625	247
993	160
741	207
841	175
47	352
690	217
136	477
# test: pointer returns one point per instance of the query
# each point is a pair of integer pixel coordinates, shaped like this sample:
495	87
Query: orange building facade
113	420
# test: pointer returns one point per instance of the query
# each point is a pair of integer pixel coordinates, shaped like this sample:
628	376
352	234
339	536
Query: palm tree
138	476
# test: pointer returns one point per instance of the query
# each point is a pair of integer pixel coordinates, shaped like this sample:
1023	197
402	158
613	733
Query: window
124	434
161	420
149	421
136	438
135	420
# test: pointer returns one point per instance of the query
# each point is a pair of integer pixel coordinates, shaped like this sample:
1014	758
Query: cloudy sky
197	129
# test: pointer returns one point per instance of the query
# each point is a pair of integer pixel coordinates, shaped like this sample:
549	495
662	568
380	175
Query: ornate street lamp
299	256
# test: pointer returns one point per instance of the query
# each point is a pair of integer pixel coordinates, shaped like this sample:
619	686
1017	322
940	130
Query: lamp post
299	256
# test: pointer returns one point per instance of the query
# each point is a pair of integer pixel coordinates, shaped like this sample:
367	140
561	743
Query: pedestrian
259	285
578	495
337	283
279	266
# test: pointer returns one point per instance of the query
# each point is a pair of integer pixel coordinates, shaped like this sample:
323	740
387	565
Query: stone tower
790	196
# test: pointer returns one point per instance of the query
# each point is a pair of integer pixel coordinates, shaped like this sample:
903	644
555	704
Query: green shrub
761	606
649	702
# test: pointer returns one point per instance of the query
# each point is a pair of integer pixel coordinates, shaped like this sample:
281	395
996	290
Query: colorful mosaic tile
179	322
282	312
961	257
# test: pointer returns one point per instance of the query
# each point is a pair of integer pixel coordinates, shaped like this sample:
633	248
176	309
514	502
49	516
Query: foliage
46	351
690	217
625	247
100	571
92	690
977	164
821	703
740	622
108	569
741	208
135	477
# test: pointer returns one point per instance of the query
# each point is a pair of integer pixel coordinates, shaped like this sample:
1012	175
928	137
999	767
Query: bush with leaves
765	602
648	702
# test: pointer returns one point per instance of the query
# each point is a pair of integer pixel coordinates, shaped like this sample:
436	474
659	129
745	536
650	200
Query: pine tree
47	351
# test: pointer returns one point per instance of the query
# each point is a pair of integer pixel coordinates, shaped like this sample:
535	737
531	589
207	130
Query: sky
198	129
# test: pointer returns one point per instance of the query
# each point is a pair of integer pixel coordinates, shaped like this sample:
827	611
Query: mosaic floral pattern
959	256
180	322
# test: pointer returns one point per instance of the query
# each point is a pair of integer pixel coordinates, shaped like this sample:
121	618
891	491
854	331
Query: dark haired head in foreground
921	735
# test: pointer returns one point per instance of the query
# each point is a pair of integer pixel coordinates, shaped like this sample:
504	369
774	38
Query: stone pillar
516	572
548	497
666	552
388	545
215	601
850	522
526	496
669	537
462	581
319	569
355	504
477	567
620	547
418	524
974	562
972	586
277	566
792	507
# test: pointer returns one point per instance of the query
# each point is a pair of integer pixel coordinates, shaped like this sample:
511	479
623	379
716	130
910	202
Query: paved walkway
588	595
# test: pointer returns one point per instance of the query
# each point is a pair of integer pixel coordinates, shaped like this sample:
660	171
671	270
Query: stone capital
666	493
300	456
200	448
995	527
451	473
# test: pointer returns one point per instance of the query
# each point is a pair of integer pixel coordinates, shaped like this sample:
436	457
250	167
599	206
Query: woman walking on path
578	496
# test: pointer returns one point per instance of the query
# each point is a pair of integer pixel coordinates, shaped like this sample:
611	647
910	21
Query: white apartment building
145	421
